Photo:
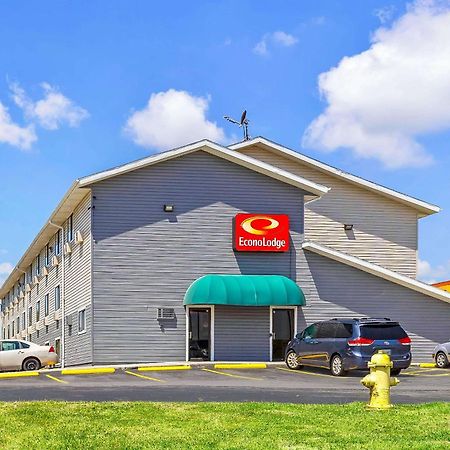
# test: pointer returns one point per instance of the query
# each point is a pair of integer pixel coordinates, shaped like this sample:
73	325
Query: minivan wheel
31	364
441	360
292	361
337	366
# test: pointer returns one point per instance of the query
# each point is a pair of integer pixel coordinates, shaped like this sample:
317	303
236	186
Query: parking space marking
57	379
417	374
144	377
420	372
232	375
310	373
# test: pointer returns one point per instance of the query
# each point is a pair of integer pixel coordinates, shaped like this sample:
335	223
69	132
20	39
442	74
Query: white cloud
5	269
52	111
381	100
276	38
385	13
432	274
170	119
12	133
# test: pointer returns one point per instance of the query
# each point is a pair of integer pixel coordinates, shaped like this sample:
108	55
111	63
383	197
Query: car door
325	343
306	345
11	355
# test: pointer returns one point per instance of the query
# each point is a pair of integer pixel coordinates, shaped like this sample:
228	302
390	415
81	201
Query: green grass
59	425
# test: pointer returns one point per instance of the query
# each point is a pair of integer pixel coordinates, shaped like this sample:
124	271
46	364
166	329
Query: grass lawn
51	425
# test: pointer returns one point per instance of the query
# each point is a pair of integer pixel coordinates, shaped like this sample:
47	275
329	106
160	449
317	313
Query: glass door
282	331
199	334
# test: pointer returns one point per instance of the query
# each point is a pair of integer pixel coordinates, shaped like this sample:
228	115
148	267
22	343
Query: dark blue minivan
348	344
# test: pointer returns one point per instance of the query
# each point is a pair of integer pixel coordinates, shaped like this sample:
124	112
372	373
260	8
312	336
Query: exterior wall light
169	208
348	227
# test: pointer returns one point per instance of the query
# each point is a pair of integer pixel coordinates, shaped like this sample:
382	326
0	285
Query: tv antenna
243	123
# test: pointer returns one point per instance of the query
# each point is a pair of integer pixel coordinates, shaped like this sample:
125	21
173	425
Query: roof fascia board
425	208
217	150
378	271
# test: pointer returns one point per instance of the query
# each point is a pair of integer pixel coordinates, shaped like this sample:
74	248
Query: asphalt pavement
206	384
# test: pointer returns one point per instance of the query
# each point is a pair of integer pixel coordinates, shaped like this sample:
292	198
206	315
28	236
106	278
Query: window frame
57	289
82	311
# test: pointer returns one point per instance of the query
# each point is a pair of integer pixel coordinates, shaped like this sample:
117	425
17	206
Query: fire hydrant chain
379	380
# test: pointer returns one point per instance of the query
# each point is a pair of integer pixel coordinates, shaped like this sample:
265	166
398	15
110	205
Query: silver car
441	355
23	355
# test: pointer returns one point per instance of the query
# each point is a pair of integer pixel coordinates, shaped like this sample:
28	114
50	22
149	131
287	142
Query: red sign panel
261	233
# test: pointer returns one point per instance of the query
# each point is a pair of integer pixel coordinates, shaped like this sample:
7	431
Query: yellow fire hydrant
379	381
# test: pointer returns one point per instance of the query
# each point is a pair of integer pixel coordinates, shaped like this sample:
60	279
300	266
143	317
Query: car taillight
405	341
359	342
51	349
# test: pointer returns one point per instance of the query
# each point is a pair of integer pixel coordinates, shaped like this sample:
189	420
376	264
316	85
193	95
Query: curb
159	368
87	371
423	365
241	366
18	374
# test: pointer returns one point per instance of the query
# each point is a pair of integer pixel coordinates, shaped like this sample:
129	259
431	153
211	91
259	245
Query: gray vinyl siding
333	289
145	258
385	232
77	289
242	333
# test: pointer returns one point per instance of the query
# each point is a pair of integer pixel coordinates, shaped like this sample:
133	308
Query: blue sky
89	85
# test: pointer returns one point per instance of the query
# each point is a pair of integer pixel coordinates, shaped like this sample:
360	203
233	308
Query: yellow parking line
89	371
160	368
241	366
19	374
419	372
428	374
231	375
143	376
308	373
57	379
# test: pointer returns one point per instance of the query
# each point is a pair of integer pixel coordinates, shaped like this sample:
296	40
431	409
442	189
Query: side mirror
299	336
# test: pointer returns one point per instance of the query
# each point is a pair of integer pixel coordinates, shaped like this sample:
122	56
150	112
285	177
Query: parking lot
206	383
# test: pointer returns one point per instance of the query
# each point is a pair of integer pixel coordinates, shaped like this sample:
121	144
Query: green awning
244	290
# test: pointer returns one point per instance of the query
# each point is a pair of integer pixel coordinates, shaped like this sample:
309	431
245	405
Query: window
311	331
38	311
57	324
58	242
70	229
58	346
38	264
24	318
23	345
10	345
57	297
13	329
46	305
344	330
47	255
383	331
18	324
326	330
82	321
30	316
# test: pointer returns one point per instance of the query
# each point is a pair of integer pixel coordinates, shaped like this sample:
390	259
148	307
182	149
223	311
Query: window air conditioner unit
21	295
67	248
28	287
44	272
78	238
58	314
165	314
55	260
16	300
35	279
47	321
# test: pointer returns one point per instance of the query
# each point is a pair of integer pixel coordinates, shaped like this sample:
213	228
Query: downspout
25	303
63	298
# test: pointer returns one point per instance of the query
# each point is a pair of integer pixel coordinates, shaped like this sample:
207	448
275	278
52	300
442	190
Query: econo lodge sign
261	233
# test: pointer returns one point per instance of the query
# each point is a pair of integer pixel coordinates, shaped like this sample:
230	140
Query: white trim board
423	208
378	271
219	151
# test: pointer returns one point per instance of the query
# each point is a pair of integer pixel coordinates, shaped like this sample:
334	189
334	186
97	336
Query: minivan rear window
382	331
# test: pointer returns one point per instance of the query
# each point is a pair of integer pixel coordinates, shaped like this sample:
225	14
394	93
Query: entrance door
282	331
200	333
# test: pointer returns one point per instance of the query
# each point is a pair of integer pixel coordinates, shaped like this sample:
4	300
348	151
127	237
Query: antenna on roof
243	123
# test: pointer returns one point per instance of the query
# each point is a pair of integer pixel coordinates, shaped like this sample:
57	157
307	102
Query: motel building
215	253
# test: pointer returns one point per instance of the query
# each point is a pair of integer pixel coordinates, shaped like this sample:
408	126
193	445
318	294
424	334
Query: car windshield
382	331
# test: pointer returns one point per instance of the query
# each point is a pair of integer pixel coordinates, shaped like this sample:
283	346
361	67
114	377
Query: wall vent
165	314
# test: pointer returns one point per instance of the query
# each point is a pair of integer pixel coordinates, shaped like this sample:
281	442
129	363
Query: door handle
21	351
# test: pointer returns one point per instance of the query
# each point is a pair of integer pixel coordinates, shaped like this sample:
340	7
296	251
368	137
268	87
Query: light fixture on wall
348	226
169	208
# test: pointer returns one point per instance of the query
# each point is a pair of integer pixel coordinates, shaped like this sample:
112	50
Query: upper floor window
47	255
38	311
46	305
58	242
30	316
82	321
38	265
57	297
70	229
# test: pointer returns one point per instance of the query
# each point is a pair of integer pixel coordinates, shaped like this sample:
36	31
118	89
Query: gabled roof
378	271
423	208
222	152
80	188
